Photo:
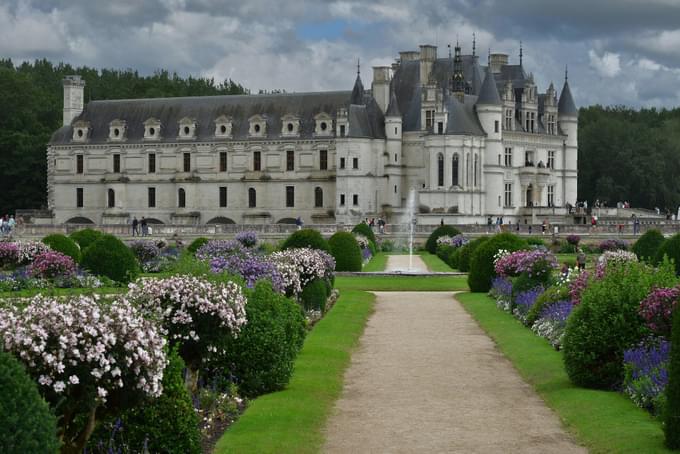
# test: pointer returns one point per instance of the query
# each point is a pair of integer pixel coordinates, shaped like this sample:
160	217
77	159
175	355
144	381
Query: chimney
428	55
74	88
381	86
496	61
408	55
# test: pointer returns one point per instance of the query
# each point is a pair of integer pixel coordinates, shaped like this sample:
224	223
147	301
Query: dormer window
187	128
152	129
324	124
117	130
80	131
258	126
223	126
290	125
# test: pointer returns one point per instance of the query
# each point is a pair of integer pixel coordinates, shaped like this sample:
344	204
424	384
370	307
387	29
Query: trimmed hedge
65	245
648	245
110	257
85	237
306	238
346	251
314	295
672	416
670	248
196	244
465	254
26	422
364	229
481	263
442	230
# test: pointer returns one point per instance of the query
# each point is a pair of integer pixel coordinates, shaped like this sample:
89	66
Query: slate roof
489	92
393	107
462	118
566	105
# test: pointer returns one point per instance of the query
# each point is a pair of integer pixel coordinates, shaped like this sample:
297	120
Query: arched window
111	198
454	171
252	198
318	197
440	170
181	198
476	169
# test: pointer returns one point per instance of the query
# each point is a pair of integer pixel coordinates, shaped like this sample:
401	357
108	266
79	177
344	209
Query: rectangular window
79	163
355	199
187	162
342	163
429	119
508	157
395	188
508	195
151	195
342	130
508	119
323	159
495	126
223	196
116	163
355	163
440	128
79	197
290	196
223	161
342	200
252	198
290	160
533	121
551	159
152	162
257	164
551	196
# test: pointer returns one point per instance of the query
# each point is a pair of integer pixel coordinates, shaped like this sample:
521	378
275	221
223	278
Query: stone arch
80	220
221	220
154	221
286	221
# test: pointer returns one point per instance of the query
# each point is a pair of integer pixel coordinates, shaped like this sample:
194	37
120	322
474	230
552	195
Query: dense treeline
630	155
31	110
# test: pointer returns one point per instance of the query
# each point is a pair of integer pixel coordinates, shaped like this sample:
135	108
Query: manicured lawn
292	420
603	421
401	283
377	263
434	263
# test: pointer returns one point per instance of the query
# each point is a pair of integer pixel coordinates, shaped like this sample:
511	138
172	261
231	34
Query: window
342	130
508	119
318	197
223	161
342	163
527	122
454	171
257	164
440	170
533	120
110	198
223	196
252	198
429	119
290	160
551	159
116	163
152	162
151	196
323	159
508	157
290	196
440	128
355	199
187	162
355	163
508	195
79	163
551	124
475	169
342	200
528	158
395	157
79	197
181	198
551	196
495	126
395	188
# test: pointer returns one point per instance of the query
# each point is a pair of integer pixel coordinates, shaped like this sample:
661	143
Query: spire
457	84
449	46
520	53
358	67
488	95
566	73
474	44
566	105
358	90
393	107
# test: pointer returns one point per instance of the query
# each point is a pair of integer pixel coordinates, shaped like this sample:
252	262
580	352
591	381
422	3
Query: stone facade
472	141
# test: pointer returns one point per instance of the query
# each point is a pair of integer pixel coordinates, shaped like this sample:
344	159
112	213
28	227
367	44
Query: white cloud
609	65
649	65
26	30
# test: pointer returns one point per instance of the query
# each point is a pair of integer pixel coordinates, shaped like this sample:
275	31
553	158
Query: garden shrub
671	249
145	250
454	259
346	251
314	295
65	245
247	238
431	243
110	257
552	294
85	237
607	322
196	244
466	252
647	246
306	238
50	265
672	417
444	252
481	263
533	241
261	358
364	229
387	246
27	425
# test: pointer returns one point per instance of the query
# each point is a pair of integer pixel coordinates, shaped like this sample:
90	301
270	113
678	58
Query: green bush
306	238
27	425
671	249
453	261
346	251
481	263
551	295
85	237
65	245
607	322
672	412
466	251
196	244
364	229
261	358
533	241
314	295
648	245
444	252
110	257
387	246
442	230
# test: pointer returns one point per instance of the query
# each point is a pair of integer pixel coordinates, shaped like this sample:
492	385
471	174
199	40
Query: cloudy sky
624	52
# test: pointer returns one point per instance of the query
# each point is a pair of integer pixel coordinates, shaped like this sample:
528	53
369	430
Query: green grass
434	263
292	420
377	263
603	421
401	283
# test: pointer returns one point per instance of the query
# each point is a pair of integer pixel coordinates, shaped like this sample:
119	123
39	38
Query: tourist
144	226
581	259
381	225
298	222
530	229
135	225
489	222
11	223
636	225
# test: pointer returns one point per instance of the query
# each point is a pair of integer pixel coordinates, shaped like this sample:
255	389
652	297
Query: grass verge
604	421
434	263
292	420
377	263
402	283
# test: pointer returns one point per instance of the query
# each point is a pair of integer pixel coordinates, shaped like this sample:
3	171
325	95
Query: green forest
624	154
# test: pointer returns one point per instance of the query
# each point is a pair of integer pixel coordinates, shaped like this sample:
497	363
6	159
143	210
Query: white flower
59	386
73	379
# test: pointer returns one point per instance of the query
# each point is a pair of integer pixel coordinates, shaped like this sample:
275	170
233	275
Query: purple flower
145	250
613	245
247	238
646	372
501	287
657	310
524	301
536	263
573	239
51	265
220	248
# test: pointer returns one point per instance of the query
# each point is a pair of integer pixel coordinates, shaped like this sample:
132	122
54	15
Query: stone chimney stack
74	88
381	86
428	55
496	61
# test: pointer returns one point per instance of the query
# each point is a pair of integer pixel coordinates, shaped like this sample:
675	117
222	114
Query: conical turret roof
489	92
393	107
357	92
566	105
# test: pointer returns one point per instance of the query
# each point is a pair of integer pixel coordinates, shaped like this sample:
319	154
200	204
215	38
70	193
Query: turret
490	107
567	117
74	88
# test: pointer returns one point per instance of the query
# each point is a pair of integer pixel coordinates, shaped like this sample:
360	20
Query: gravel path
401	263
426	378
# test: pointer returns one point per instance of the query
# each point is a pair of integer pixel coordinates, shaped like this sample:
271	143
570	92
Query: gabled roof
566	105
488	95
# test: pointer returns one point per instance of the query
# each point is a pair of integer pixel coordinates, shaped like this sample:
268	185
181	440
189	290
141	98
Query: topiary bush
648	245
85	237
110	257
26	422
314	295
607	322
196	244
442	230
481	263
364	229
306	238
65	245
346	252
453	259
672	416
465	253
671	249
261	357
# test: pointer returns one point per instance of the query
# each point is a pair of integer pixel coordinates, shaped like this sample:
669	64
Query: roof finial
474	44
449	46
566	73
488	59
520	53
358	66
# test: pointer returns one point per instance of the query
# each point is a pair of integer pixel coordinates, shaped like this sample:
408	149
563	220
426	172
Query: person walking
135	226
143	224
298	222
581	259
